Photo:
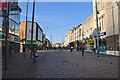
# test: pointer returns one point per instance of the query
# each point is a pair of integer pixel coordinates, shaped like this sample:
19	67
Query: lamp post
113	29
6	32
32	28
26	27
51	40
97	29
118	4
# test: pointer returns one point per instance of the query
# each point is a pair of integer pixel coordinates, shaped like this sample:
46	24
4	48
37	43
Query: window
16	29
99	24
11	26
102	23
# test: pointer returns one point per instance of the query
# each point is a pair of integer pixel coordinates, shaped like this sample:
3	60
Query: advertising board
29	30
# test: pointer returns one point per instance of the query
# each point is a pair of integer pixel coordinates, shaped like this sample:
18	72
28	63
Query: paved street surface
62	64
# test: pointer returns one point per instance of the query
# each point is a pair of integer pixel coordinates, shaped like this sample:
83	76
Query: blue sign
101	34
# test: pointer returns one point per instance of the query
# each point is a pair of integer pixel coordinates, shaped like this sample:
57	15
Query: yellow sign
118	40
90	41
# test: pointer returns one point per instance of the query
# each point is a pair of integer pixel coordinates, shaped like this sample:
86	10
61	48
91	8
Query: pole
97	29
51	40
6	32
113	29
32	28
119	25
26	28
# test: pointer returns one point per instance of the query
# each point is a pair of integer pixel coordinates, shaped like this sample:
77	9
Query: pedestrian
36	54
71	48
83	50
34	59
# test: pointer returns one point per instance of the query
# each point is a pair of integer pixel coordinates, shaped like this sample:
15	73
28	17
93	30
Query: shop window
103	23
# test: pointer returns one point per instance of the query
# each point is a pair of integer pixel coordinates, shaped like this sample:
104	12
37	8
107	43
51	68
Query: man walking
83	49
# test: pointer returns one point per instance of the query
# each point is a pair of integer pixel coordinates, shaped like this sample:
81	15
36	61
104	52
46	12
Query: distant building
57	45
68	37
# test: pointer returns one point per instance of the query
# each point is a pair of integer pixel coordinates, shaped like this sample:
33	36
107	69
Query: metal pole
119	26
97	29
6	32
51	40
113	29
32	28
26	28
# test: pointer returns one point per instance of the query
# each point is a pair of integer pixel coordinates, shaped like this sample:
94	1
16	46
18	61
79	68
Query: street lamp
32	28
113	29
26	27
97	29
118	4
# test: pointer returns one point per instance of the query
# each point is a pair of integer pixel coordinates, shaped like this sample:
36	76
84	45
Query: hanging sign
101	34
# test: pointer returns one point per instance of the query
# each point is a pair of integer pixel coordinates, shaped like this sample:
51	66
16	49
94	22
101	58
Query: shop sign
8	37
3	5
17	39
118	40
90	41
101	34
12	38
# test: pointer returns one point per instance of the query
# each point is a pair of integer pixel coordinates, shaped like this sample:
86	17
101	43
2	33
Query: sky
56	18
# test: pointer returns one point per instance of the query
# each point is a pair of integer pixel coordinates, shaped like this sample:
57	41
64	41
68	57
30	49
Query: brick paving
62	64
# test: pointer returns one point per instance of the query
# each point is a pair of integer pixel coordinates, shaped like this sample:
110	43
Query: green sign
30	43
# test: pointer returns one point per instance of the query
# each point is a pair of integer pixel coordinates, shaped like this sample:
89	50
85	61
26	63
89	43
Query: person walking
71	48
34	59
83	48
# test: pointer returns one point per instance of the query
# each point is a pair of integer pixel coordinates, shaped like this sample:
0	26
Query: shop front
102	42
14	44
90	45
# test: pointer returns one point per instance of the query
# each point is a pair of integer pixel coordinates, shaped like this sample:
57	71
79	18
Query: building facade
37	35
68	38
13	25
108	24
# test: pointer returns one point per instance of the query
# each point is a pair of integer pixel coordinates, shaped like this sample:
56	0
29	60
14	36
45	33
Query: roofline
34	22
